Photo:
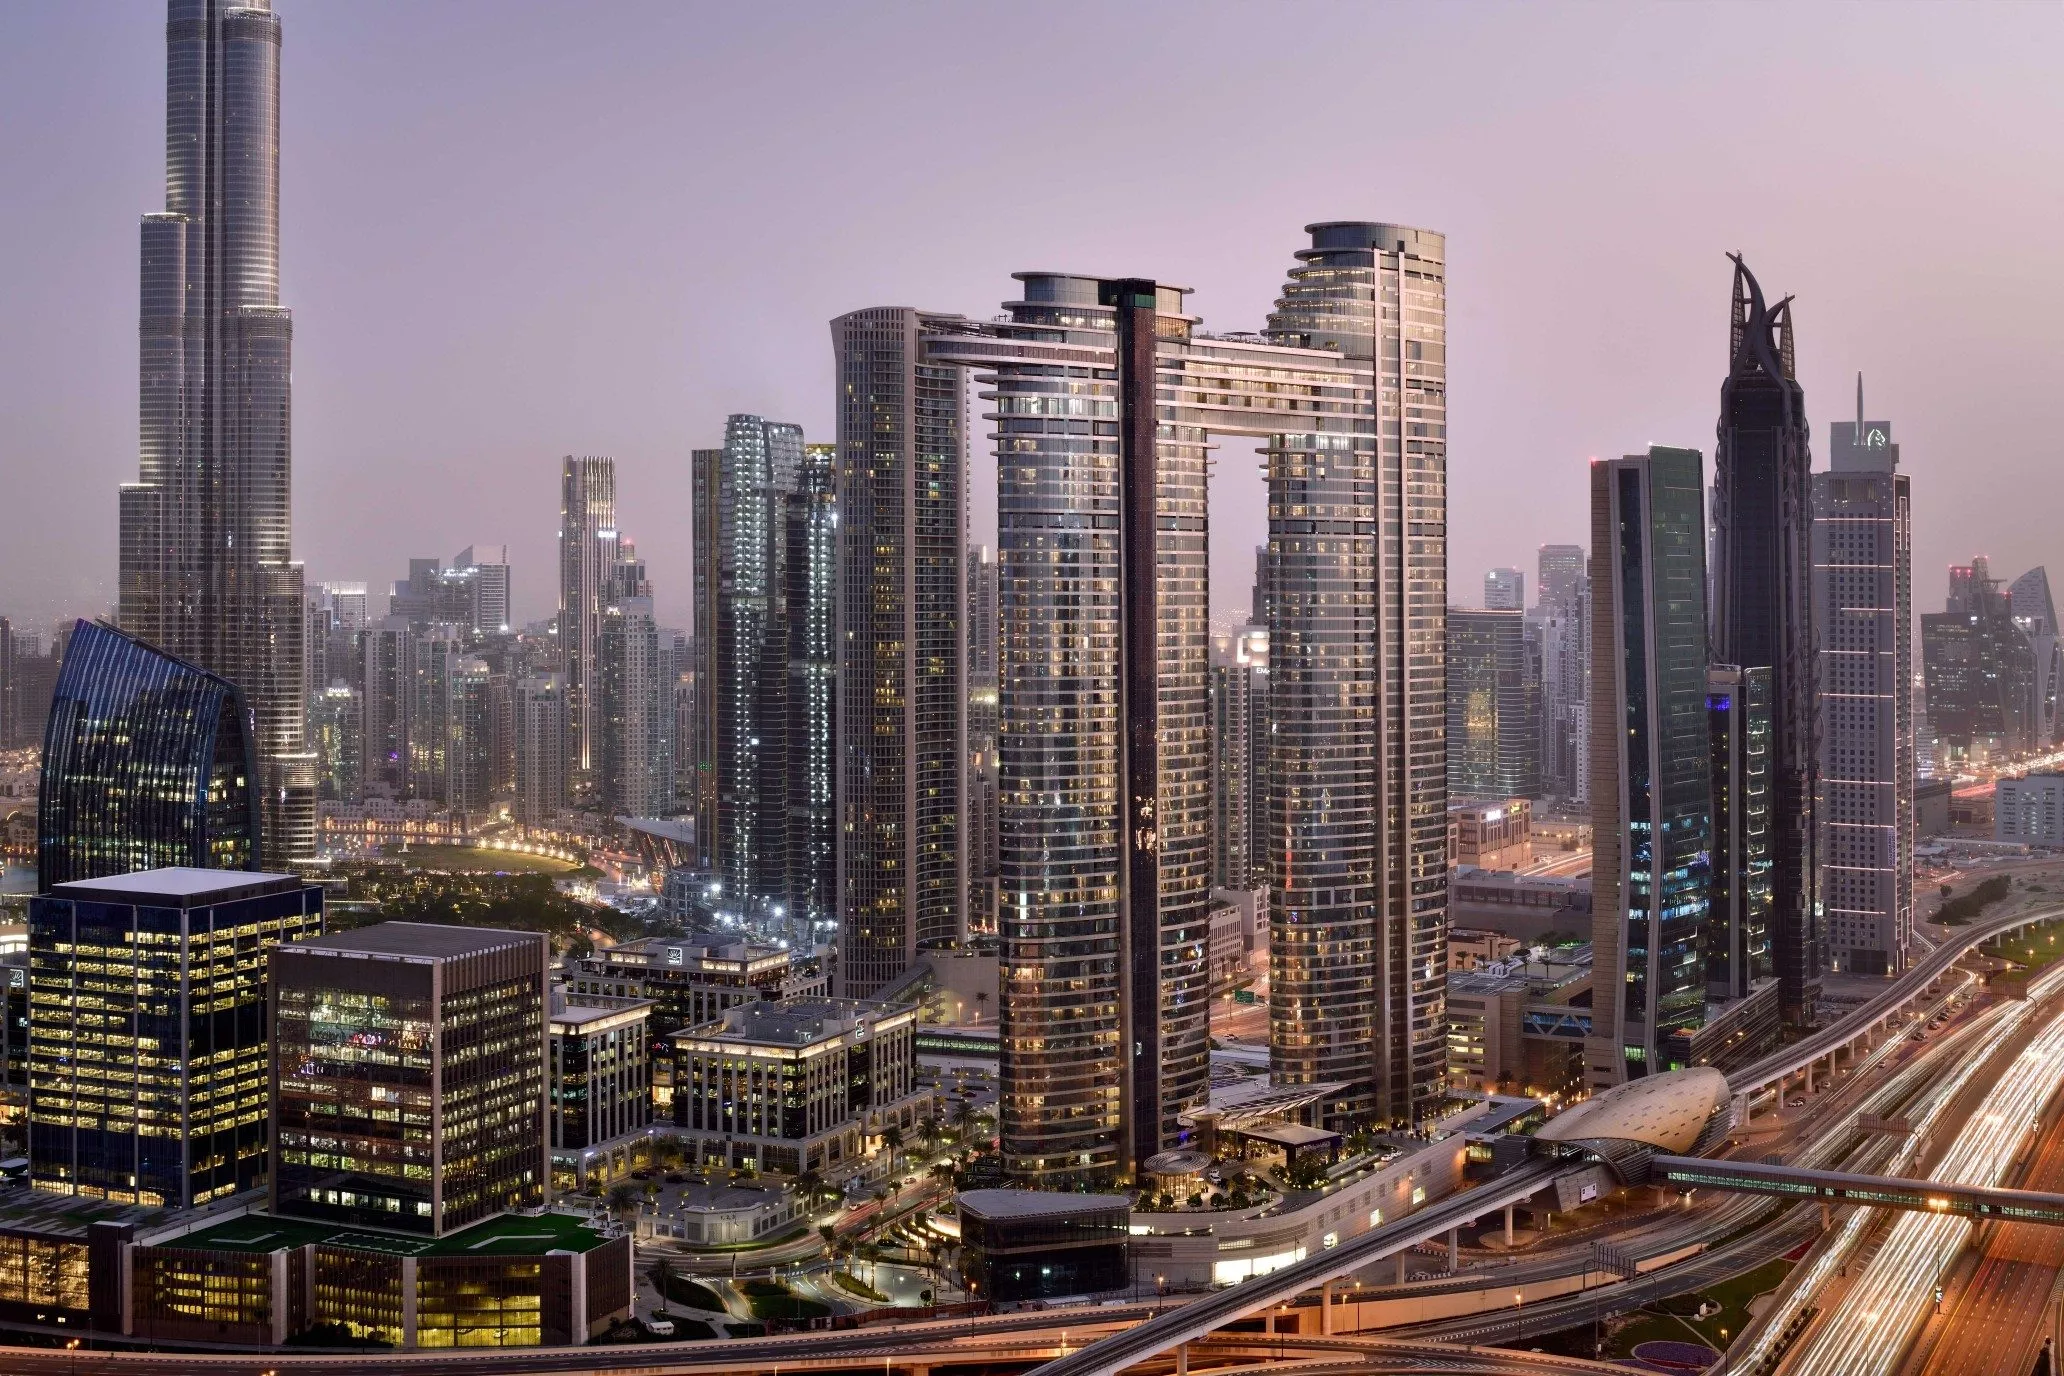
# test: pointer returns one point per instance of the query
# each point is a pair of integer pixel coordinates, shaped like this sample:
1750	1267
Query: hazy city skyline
518	234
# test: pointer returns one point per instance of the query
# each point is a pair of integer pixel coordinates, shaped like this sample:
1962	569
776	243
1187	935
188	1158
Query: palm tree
623	1200
981	999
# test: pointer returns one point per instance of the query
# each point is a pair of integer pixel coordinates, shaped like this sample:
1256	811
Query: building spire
1859	401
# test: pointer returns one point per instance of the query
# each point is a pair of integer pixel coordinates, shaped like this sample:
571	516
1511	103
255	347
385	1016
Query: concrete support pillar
1401	1268
1827	1216
1454	1249
1326	1309
1508	1224
1182	1359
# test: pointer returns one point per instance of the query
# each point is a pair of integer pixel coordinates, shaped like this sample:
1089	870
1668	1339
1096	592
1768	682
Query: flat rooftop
1037	1203
793	1022
508	1235
419	941
179	886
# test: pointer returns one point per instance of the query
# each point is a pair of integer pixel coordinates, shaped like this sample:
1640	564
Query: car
676	1178
660	1328
641	1175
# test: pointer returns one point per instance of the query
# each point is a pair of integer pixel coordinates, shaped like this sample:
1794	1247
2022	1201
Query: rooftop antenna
1859	401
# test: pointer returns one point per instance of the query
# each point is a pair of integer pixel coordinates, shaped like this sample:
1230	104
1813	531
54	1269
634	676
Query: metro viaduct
1815	1057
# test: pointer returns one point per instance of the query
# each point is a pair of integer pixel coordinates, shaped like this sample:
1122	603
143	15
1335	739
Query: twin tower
1106	397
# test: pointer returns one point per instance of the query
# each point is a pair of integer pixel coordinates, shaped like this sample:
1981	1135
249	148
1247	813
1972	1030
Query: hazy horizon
512	231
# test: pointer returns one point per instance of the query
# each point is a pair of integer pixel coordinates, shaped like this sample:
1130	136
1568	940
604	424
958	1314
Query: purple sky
514	230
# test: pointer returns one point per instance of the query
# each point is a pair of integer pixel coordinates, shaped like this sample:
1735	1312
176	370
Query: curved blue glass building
148	762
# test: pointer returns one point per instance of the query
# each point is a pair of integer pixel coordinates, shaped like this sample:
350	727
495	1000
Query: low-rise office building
148	1060
692	980
409	1086
1520	1022
801	1085
1491	835
520	1280
1038	1244
600	1085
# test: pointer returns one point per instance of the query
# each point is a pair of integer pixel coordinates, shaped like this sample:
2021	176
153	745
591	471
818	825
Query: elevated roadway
1194	1320
1773	1070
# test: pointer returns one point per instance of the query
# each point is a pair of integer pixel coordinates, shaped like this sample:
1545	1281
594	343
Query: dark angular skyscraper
207	566
1763	604
148	762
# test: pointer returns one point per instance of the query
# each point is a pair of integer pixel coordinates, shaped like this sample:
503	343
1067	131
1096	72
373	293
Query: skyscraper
1493	706
2036	617
1981	673
1358	826
1239	744
742	634
1651	744
1563	616
207	566
587	563
540	748
1763	606
1560	575
148	762
634	696
1863	613
1504	590
902	706
1105	852
486	569
981	736
809	586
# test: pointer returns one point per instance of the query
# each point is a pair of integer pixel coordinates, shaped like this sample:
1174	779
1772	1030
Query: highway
1878	1311
1995	1315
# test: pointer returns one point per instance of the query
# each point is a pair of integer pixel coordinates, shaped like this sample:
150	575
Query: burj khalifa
207	569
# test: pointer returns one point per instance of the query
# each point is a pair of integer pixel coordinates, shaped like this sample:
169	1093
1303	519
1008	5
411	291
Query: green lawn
1732	1295
467	859
2033	947
770	1299
682	1290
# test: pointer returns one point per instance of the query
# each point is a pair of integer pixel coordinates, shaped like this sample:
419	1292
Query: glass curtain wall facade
1651	792
409	1076
1738	929
588	557
902	690
1494	706
148	761
1763	607
148	1047
206	540
746	667
808	583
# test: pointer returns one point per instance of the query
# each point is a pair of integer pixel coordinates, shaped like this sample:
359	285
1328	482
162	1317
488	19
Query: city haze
514	231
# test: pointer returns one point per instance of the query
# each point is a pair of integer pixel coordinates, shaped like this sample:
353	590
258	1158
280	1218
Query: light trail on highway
1878	1314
